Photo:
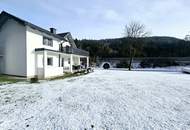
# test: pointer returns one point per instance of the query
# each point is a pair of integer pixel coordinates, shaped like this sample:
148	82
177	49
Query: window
62	62
47	41
50	61
69	61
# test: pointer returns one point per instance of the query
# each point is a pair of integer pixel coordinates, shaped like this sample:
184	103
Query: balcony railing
76	51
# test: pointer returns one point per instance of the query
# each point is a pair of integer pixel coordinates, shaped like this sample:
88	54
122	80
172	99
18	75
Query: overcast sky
97	19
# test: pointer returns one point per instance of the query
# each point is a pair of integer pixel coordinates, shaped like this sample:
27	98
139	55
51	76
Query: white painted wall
13	39
51	71
54	70
19	43
1	57
35	40
66	60
76	60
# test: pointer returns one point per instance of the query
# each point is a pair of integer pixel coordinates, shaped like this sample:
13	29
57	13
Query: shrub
146	64
152	63
122	64
76	67
34	80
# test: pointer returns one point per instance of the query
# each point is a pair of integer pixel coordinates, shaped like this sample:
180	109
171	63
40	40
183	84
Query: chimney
53	30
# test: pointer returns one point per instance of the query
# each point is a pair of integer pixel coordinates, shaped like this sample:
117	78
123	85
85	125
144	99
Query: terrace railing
76	51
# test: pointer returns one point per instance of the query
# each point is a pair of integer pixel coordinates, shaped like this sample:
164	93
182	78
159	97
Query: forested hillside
144	47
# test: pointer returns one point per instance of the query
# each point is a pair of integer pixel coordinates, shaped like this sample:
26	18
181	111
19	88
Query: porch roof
75	51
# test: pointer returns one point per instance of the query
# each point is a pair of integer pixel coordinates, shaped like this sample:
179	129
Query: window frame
47	41
49	61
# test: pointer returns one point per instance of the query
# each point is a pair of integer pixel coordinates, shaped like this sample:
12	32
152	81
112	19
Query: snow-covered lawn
104	100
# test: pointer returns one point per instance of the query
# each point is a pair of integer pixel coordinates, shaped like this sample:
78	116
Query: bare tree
134	30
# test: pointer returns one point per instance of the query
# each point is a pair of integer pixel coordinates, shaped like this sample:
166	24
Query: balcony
75	51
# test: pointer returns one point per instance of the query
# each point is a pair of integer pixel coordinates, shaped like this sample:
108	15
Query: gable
68	37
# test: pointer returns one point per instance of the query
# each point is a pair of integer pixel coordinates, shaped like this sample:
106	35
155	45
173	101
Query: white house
28	50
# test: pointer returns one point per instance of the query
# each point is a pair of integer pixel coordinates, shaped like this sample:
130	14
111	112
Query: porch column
87	62
71	63
79	60
45	62
59	61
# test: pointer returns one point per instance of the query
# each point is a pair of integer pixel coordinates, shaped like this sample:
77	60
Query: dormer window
47	41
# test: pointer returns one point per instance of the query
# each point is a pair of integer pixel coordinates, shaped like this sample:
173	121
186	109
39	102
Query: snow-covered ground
104	100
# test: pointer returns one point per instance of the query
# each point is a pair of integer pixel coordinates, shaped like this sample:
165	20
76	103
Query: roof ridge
30	24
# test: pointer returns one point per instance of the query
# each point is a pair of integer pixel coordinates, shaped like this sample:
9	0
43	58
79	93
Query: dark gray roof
4	16
63	34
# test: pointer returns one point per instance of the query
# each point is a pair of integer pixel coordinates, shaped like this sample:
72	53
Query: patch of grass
7	79
34	80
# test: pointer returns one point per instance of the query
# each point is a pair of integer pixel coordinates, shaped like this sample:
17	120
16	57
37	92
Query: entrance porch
50	63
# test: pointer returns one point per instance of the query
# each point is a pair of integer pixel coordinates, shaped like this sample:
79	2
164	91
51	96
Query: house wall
19	57
53	70
66	61
76	60
0	64
1	58
12	40
35	40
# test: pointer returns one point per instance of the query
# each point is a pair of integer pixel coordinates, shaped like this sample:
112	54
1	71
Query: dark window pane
62	62
50	61
48	41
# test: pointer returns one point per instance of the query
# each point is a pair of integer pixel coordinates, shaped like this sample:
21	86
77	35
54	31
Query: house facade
28	50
